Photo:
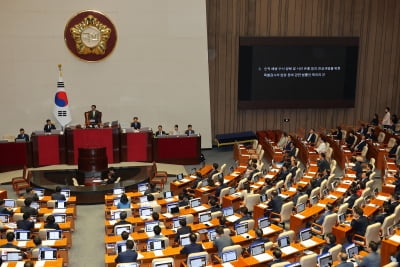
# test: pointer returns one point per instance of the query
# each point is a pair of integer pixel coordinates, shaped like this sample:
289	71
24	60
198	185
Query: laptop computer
352	250
143	199
149	226
325	260
22	235
205	217
175	222
54	234
305	234
145	211
9	203
4	218
264	222
314	200
116	201
168	194
212	234
168	263
120	246
263	198
61	204
232	190
12	256
390	230
197	261
60	218
47	254
228	256
325	192
295	264
179	176
143	187
155	244
228	211
129	264
66	192
184	239
220	175
119	229
39	192
283	241
115	214
118	191
342	219
257	249
173	207
195	202
300	207
35	205
242	228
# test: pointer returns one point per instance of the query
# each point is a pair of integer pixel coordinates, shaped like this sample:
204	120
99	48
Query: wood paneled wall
375	22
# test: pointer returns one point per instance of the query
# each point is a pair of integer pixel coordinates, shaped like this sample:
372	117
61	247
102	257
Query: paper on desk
395	238
21	243
313	164
332	196
139	256
234	174
303	182
112	222
341	189
382	198
351	175
150	234
292	189
298	215
267	230
232	218
171	199
263	257
269	176
321	205
168	215
199	208
49	242
37	264
227	264
262	205
203	188
308	176
185	180
59	210
260	183
308	243
254	186
193	176
289	250
158	253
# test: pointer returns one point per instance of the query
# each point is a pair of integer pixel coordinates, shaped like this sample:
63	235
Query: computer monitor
60	217
35	205
325	192
164	264
9	203
168	194
257	249
116	201
242	228
341	218
129	264
283	241
61	204
314	200
13	256
305	234
143	199
143	187
119	229
22	235
300	207
232	190
256	178
325	260
205	216
295	264
66	192
173	207
54	234
179	176
120	246
47	254
184	239
118	191
212	234
376	192
155	244
228	256
145	211
390	230
228	211
175	221
197	261
264	222
204	182
263	198
195	202
39	192
149	226
5	218
352	250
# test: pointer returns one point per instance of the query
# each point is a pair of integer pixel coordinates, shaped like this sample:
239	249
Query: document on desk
199	208
185	180
227	264
308	243
171	199
269	176
235	174
332	196
261	205
203	188
298	215
168	215
289	250
263	257
150	234
38	225
112	222
49	242
37	264
292	189
267	230
341	189
383	198
139	256
321	205
232	218
158	253
59	211
351	175
395	238
21	243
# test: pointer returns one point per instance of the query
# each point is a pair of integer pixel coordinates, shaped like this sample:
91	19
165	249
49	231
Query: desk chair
389	221
284	215
157	177
371	234
223	167
20	202
392	264
216	214
194	255
18	216
280	264
334	251
291	234
309	260
323	187
314	192
19	180
396	215
268	245
87	121
370	185
381	137
343	208
236	248
366	192
359	202
251	200
21	184
327	224
169	260
224	192
302	199
250	223
189	218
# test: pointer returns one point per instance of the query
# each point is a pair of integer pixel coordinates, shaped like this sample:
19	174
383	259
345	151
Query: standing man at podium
93	117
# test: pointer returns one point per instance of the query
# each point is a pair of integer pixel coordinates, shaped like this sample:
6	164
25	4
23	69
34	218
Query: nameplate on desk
168	215
308	176
390	185
313	164
395	238
278	152
372	205
346	151
243	166
312	172
332	197
299	216
37	264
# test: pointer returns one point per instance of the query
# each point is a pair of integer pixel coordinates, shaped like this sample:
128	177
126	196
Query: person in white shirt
321	146
386	121
175	131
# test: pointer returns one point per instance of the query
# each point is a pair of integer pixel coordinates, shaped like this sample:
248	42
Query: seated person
382	216
359	223
259	237
30	193
136	124
352	198
330	243
111	176
277	253
151	189
393	150
350	140
199	178
156	217
10	236
175	131
157	233
342	258
244	212
150	201
93	118
322	163
160	131
214	205
26	223
275	203
338	133
183	200
372	259
122	219
282	140
328	210
214	170
27	208
129	255
189	130
359	147
193	247
221	240
311	137
48	126
123	202
221	186
57	195
300	192
321	146
184	229
4	210
22	135
51	223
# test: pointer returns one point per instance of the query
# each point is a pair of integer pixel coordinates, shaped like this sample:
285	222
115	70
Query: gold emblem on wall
90	35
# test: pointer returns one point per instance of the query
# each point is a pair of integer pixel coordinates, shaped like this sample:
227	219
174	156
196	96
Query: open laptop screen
283	241
184	239
242	228
39	192
229	256
4	218
341	218
149	226
263	198
179	176
155	244
325	260
264	222
60	218
61	204
173	207
47	254
120	246
305	234
9	203
228	211
118	191
116	201
204	216
145	211
300	207
13	256
164	264
352	250
257	249
142	187
66	193
22	235
314	200
54	234
196	202
143	199
212	234
168	194
198	261
119	229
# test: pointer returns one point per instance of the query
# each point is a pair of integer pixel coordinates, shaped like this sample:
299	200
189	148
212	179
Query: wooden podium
92	164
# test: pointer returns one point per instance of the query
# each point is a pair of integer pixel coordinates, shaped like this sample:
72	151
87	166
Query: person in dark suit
184	229
359	223
277	253
276	202
214	170
214	205
220	187
22	135
358	166
199	178
372	259
322	163
51	223
244	212
57	195
4	210
350	140
122	219
30	193
48	126
363	129
338	133
330	243
189	130
282	173
311	137
27	208
25	223
352	197
342	258
183	200
94	117
193	247
259	237
129	255
382	216
221	240
160	131
136	124
328	210
359	147
10	236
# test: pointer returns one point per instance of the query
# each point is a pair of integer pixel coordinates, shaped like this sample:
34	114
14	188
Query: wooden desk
232	200
389	248
177	187
55	263
14	156
136	146
341	232
298	221
48	149
177	149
